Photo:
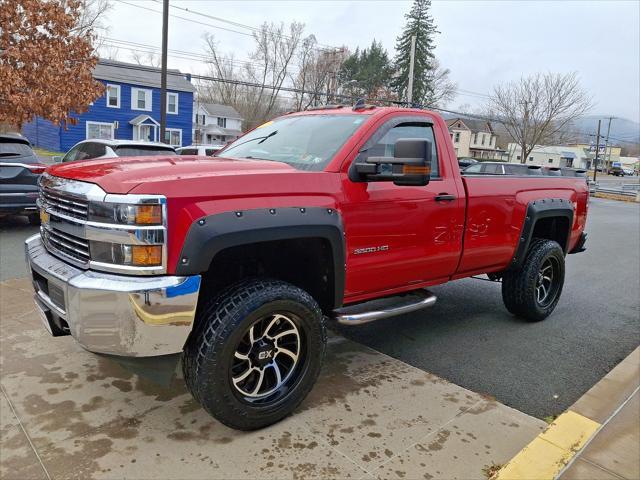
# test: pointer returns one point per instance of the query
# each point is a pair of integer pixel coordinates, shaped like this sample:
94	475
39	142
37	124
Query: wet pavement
67	413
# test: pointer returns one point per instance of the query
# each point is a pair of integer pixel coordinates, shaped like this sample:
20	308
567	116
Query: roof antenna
360	105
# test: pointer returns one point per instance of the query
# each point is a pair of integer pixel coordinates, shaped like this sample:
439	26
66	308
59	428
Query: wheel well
304	262
553	228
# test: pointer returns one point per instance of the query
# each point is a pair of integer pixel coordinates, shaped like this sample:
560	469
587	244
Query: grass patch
550	418
46	153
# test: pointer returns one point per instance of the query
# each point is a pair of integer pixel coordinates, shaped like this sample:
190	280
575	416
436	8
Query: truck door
402	236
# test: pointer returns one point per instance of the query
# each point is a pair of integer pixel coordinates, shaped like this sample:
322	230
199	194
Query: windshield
306	142
139	150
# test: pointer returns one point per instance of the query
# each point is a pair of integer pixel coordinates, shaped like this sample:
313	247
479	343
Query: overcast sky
481	42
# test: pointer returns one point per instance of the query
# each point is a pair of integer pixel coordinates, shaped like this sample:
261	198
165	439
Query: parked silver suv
96	148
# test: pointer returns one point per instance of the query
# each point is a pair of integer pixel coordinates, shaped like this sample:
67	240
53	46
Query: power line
336	95
203	58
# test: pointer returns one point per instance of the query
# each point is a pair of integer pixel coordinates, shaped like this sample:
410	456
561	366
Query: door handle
445	197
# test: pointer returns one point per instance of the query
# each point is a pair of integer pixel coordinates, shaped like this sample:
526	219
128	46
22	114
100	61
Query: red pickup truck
236	262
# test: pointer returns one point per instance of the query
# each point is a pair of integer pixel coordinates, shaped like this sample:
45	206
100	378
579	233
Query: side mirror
410	164
56	158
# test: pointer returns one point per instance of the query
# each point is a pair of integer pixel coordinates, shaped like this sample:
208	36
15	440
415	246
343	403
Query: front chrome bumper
113	314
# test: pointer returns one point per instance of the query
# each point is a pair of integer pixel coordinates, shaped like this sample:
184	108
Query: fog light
146	255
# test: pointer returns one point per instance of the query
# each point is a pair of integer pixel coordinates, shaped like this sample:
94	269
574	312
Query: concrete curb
553	451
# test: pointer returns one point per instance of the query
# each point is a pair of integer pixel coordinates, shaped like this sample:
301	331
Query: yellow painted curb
549	452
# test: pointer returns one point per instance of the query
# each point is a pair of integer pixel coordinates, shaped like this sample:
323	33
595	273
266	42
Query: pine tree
366	72
420	24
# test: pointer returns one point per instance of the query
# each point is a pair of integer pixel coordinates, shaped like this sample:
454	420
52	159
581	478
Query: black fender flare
537	210
211	234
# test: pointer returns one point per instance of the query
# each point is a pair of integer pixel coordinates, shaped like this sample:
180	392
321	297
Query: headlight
129	255
125	214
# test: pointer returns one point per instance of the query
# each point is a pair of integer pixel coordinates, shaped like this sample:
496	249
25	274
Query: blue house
129	109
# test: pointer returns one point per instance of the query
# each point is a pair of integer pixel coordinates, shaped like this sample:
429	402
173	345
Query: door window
492	169
385	147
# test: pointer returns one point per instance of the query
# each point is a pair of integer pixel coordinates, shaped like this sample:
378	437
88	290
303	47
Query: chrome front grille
67	244
67	231
64	204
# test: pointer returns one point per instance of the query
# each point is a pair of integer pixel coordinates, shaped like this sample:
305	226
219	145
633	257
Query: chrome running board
384	307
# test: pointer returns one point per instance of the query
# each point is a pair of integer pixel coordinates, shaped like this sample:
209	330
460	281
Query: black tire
34	219
522	290
222	326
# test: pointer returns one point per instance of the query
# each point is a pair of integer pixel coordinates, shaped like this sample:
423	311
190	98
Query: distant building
215	124
606	159
128	110
474	138
551	156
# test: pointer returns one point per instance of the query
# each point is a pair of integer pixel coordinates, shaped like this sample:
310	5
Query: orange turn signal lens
416	170
146	255
148	215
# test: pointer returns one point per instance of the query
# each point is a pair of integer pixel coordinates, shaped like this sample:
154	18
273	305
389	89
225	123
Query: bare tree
149	59
268	69
91	15
538	108
442	89
318	73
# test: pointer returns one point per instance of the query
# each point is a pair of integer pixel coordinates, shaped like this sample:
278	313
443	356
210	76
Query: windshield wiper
262	139
268	136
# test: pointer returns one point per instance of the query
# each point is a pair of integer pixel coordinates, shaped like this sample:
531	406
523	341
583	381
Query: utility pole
412	60
595	161
163	72
607	158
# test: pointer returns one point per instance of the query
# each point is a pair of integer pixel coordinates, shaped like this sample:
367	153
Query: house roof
115	71
212	129
218	110
140	119
472	124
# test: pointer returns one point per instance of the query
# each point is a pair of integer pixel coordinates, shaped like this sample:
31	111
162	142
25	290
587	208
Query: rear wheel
533	291
256	353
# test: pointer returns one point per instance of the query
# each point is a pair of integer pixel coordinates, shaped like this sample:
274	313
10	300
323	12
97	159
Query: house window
517	157
483	138
113	96
222	122
200	119
531	159
173	136
551	160
172	103
101	130
473	138
457	137
140	99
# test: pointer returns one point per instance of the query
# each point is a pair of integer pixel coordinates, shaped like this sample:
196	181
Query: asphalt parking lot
470	339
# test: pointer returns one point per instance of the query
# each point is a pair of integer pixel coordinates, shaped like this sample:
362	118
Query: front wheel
255	353
533	291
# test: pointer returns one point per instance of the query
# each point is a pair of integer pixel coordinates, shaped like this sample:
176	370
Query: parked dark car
616	171
20	169
502	168
466	162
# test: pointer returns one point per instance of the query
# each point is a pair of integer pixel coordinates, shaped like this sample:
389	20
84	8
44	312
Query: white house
473	138
215	124
551	156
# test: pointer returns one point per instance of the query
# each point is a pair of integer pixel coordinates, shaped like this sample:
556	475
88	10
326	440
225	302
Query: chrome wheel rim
545	282
266	357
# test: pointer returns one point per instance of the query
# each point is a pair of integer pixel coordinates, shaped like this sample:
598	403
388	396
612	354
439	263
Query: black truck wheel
255	353
532	292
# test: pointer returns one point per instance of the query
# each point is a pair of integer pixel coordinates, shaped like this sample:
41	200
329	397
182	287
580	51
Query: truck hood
121	175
